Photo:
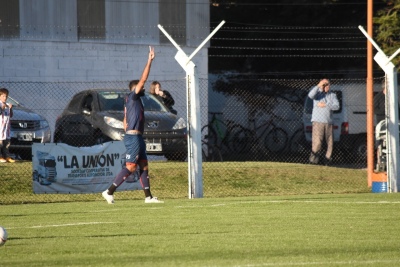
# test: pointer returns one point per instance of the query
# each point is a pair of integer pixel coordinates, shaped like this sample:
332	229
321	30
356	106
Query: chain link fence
244	122
270	120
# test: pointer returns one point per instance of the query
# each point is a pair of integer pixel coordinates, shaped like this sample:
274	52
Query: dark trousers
4	145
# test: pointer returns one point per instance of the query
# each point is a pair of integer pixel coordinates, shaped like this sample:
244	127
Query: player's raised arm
146	71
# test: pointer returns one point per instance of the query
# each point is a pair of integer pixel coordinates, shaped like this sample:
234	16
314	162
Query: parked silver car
27	127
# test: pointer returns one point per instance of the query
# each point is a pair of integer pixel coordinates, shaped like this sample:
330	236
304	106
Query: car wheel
360	150
58	137
24	154
43	181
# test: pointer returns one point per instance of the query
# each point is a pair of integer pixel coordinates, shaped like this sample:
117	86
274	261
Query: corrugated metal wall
198	22
173	19
50	20
9	19
110	21
91	20
132	22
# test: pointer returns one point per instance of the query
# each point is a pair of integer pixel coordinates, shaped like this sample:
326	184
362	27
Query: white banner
62	169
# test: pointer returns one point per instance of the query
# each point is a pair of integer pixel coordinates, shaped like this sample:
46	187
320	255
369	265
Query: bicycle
298	143
217	137
210	152
275	138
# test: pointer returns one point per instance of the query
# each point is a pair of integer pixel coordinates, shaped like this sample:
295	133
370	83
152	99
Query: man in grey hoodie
325	102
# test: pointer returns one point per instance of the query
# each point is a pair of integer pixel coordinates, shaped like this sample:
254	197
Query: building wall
69	61
52	44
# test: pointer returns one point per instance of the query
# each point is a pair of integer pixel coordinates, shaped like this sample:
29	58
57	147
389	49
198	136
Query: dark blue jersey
134	112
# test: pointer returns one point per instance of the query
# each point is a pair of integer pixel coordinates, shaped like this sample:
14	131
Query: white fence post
195	161
393	156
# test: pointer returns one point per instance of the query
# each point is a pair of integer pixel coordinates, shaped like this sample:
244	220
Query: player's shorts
135	148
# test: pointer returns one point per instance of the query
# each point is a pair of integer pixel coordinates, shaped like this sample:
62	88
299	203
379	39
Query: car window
150	103
87	102
49	163
115	101
339	96
111	100
75	103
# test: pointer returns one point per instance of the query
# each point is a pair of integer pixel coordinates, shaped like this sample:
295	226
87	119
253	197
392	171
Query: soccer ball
3	236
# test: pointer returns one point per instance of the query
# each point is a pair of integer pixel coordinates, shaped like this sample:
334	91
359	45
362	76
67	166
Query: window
49	20
9	19
340	99
173	16
91	19
150	103
111	101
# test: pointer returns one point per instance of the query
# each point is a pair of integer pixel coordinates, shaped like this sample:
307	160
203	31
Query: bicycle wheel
208	135
276	140
241	141
210	152
230	136
298	143
209	146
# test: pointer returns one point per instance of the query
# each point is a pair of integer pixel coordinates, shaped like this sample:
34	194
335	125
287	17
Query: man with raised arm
135	146
325	102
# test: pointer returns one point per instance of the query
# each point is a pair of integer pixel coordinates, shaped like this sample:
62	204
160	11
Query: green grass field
220	179
310	230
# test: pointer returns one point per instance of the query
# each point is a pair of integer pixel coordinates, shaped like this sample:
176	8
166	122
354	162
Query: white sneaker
109	198
152	200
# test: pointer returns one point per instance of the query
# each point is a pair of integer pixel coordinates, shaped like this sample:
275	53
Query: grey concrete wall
38	61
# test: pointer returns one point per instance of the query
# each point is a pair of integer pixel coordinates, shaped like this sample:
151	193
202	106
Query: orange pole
370	96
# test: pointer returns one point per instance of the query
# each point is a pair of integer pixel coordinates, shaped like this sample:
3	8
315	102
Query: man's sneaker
152	200
109	198
2	160
11	160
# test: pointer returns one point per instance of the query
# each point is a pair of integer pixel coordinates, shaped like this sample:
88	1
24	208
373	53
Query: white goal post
195	161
